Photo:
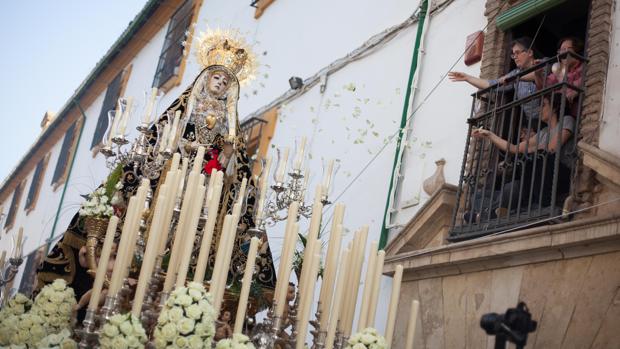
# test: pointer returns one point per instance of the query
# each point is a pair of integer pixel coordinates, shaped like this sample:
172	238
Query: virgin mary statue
208	109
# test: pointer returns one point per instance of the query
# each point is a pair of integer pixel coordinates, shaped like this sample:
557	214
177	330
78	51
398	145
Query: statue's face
226	316
218	83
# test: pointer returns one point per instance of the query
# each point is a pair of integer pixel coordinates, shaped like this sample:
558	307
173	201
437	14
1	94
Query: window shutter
109	103
63	157
172	51
10	219
36	183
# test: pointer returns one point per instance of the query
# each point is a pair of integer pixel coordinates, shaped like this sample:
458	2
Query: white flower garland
238	341
60	340
123	331
368	338
187	319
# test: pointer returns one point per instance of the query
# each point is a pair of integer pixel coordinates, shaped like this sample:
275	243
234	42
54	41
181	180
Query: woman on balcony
537	170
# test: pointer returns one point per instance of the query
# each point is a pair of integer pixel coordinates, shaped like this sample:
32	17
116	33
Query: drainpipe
66	185
404	122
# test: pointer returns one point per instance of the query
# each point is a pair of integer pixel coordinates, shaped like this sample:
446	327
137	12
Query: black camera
512	326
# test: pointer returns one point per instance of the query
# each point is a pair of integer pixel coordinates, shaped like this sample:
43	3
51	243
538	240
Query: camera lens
491	323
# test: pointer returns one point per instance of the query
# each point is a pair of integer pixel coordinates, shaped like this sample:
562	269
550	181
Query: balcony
521	172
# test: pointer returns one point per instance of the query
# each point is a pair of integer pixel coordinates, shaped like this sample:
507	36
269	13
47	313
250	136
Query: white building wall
438	126
610	125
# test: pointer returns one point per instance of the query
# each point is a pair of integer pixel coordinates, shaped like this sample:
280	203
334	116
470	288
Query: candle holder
265	336
341	340
89	337
107	151
285	194
143	127
7	276
318	335
292	317
108	310
152	306
120	140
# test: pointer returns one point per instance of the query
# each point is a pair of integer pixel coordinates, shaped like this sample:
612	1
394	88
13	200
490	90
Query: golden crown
228	49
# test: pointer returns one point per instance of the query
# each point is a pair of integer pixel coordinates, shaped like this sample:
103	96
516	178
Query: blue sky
48	48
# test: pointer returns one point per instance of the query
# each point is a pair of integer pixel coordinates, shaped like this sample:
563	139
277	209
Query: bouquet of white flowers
187	319
238	341
60	340
123	331
98	204
24	330
368	338
54	304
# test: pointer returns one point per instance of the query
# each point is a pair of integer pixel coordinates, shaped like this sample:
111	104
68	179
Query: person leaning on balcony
523	56
557	135
570	69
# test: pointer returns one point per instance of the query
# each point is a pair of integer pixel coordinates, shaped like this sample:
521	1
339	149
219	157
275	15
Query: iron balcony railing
520	152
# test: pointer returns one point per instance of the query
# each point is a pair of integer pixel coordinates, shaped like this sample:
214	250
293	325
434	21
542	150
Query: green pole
403	120
66	185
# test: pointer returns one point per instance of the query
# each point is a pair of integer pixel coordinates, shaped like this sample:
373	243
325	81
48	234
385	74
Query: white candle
172	136
164	137
368	284
18	243
245	285
331	265
102	267
281	171
339	294
264	181
122	126
207	237
374	296
114	126
231	235
327	176
189	232
117	274
312	238
391	320
411	325
184	166
177	244
356	276
2	260
305	304
286	258
200	154
219	257
299	157
150	106
150	254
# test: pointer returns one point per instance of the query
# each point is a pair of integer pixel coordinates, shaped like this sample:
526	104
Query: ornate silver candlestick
8	275
318	334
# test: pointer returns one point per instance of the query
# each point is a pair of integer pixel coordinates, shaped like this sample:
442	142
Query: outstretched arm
523	147
472	80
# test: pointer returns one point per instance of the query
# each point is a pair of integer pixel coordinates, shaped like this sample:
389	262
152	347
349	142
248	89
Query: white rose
119	343
195	342
181	342
110	330
126	328
169	332
68	343
184	300
160	343
368	338
194	311
59	284
175	314
117	319
224	344
133	342
163	317
195	294
359	346
186	326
